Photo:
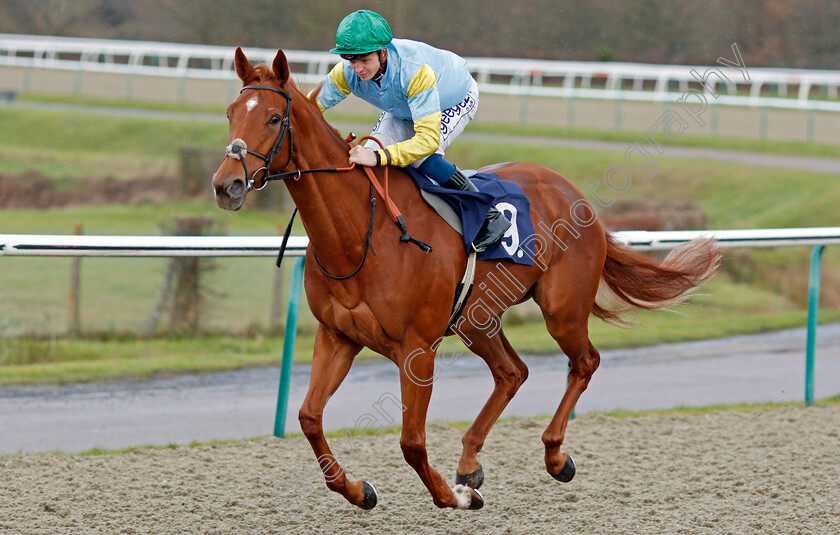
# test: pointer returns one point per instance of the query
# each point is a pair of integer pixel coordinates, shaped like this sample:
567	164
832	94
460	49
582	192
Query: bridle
238	146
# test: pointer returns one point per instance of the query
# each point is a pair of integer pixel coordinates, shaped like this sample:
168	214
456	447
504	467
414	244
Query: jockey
427	97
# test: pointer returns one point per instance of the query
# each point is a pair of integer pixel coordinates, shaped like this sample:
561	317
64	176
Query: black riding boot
495	224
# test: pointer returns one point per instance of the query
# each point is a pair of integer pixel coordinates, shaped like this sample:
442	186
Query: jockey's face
367	66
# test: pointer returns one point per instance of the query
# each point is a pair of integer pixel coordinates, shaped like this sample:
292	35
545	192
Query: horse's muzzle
230	195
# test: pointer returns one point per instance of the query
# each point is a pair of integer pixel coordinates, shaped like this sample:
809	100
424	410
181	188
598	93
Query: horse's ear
243	66
281	67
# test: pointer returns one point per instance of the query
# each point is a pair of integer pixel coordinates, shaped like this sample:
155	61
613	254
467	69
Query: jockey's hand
362	156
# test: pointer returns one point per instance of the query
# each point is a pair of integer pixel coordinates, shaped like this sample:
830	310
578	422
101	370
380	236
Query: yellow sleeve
335	88
338	79
423	80
426	141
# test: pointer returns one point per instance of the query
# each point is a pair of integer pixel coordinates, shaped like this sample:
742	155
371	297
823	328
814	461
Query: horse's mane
262	74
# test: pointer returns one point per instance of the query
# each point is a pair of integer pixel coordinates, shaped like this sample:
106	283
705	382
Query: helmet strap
383	66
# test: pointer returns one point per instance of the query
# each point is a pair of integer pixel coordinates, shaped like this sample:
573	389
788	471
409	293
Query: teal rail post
568	370
288	348
813	312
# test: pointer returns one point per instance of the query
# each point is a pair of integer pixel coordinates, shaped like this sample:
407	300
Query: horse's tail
638	281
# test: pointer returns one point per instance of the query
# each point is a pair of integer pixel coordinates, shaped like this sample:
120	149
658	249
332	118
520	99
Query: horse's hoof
568	472
468	498
472	480
371	496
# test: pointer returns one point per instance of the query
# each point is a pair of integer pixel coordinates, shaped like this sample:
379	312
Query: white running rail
157	246
521	77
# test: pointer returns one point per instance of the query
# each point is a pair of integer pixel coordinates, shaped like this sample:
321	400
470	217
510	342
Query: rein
238	148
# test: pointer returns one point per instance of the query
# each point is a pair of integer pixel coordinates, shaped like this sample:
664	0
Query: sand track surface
772	471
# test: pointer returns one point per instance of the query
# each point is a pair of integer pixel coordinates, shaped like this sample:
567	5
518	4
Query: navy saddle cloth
471	208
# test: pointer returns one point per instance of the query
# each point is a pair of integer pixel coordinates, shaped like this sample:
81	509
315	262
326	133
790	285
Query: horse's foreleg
331	361
416	374
509	372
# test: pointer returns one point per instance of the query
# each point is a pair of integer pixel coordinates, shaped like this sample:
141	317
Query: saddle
464	211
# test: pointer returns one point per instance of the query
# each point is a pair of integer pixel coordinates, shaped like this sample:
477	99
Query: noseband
237	147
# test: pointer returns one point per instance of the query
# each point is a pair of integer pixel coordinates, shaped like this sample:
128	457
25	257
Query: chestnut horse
399	301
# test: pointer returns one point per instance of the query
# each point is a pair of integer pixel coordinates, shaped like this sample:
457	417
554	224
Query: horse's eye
275	120
227	114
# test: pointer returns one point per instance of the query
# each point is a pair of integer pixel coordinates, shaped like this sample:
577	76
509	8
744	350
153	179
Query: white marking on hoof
463	495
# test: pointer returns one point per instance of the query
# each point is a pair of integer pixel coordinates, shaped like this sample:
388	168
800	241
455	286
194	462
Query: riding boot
495	224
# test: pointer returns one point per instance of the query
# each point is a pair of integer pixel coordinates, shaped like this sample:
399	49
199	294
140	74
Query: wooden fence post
74	322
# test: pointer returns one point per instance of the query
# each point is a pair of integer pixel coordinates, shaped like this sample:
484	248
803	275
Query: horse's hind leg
509	372
583	361
334	353
566	296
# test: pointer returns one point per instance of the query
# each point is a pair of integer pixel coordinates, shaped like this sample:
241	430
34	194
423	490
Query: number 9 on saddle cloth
469	208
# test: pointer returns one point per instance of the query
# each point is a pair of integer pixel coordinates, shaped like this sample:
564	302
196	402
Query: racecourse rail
166	246
612	81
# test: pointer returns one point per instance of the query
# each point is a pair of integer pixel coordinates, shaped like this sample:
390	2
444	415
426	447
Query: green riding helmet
360	33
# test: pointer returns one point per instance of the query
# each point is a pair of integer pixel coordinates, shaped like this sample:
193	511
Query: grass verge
42	138
33	292
793	148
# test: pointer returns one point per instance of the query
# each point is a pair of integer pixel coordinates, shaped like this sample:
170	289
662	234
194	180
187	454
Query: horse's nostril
236	188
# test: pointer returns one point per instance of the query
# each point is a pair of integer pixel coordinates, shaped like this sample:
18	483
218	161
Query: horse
397	301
